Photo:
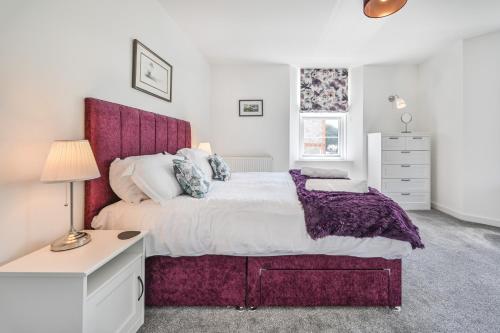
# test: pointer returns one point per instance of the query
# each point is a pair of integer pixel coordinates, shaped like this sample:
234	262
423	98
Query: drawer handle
405	152
417	138
393	138
142	288
405	193
405	165
405	180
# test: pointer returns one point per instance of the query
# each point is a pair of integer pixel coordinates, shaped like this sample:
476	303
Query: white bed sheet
253	214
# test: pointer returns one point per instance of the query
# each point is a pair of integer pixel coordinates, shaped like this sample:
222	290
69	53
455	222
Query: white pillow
323	172
120	171
156	178
342	185
199	158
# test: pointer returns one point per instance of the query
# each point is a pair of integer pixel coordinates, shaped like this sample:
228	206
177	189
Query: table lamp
69	162
205	146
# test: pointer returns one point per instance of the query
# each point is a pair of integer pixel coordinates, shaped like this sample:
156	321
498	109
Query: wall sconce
400	104
398	101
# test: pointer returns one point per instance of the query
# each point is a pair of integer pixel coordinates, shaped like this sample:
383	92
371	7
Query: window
322	135
324	102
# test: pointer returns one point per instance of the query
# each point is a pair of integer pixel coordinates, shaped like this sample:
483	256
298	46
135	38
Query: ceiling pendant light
382	8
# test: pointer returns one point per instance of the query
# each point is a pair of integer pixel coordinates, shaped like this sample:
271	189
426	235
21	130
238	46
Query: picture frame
151	74
251	108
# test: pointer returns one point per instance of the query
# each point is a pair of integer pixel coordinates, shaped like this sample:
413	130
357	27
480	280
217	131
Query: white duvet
253	214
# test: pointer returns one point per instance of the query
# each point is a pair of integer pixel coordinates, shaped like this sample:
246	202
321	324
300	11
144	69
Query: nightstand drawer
406	157
119	304
406	185
406	171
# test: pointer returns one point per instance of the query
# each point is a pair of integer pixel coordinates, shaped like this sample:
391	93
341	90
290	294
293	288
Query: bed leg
245	308
395	308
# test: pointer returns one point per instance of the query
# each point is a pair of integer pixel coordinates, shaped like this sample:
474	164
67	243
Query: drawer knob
405	152
417	138
393	138
405	180
405	193
405	165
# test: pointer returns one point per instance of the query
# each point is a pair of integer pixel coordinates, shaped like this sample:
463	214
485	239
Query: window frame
342	117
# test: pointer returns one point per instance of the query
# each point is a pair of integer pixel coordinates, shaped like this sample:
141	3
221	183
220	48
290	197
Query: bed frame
116	130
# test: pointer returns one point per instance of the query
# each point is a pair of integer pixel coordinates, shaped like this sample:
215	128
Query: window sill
319	159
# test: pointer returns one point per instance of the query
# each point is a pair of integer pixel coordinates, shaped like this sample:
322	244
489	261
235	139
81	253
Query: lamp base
72	240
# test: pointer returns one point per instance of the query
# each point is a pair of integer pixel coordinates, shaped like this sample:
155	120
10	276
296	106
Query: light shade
398	101
382	8
70	161
205	146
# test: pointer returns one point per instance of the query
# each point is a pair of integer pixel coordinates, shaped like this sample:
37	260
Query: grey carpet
453	285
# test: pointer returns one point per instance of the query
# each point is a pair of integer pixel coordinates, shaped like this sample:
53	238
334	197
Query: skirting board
465	217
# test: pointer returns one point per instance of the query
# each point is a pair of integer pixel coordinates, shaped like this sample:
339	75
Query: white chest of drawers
399	165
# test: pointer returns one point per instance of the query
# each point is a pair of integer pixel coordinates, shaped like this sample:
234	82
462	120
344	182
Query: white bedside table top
84	260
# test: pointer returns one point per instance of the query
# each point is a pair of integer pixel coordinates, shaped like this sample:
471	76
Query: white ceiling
327	32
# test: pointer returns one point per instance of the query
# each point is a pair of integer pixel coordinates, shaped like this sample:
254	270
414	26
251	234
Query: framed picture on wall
150	73
251	108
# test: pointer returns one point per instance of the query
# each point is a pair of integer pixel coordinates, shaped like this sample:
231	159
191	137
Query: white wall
459	91
54	54
356	138
481	135
250	136
441	102
294	119
381	81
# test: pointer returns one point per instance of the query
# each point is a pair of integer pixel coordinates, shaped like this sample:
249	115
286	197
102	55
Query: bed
301	272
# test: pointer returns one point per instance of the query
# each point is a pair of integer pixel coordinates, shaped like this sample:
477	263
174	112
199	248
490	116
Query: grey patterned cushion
220	167
192	180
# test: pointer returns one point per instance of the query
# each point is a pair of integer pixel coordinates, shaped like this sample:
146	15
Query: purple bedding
354	214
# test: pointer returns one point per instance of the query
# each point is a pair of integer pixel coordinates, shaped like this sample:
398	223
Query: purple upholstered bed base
116	130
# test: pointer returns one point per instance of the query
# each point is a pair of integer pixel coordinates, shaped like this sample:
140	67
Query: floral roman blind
323	90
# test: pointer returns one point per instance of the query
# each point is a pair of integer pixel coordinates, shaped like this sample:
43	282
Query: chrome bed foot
395	308
245	308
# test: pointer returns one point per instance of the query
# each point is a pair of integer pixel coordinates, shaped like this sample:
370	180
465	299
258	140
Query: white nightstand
95	288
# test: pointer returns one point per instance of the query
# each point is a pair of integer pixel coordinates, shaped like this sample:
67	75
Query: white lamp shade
70	161
400	103
205	146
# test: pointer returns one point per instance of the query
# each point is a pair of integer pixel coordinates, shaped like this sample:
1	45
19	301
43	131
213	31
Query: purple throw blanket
354	214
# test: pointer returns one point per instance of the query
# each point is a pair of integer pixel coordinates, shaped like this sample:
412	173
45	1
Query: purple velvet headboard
115	130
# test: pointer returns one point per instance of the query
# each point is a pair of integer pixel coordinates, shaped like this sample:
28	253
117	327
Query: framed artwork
251	108
150	73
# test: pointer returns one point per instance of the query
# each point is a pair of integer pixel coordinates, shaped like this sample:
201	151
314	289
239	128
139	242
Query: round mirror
406	118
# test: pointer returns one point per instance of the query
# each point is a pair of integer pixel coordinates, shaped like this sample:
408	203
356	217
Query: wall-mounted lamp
382	8
400	104
398	101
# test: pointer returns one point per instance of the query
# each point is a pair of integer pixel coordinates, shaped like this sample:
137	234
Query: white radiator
249	163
